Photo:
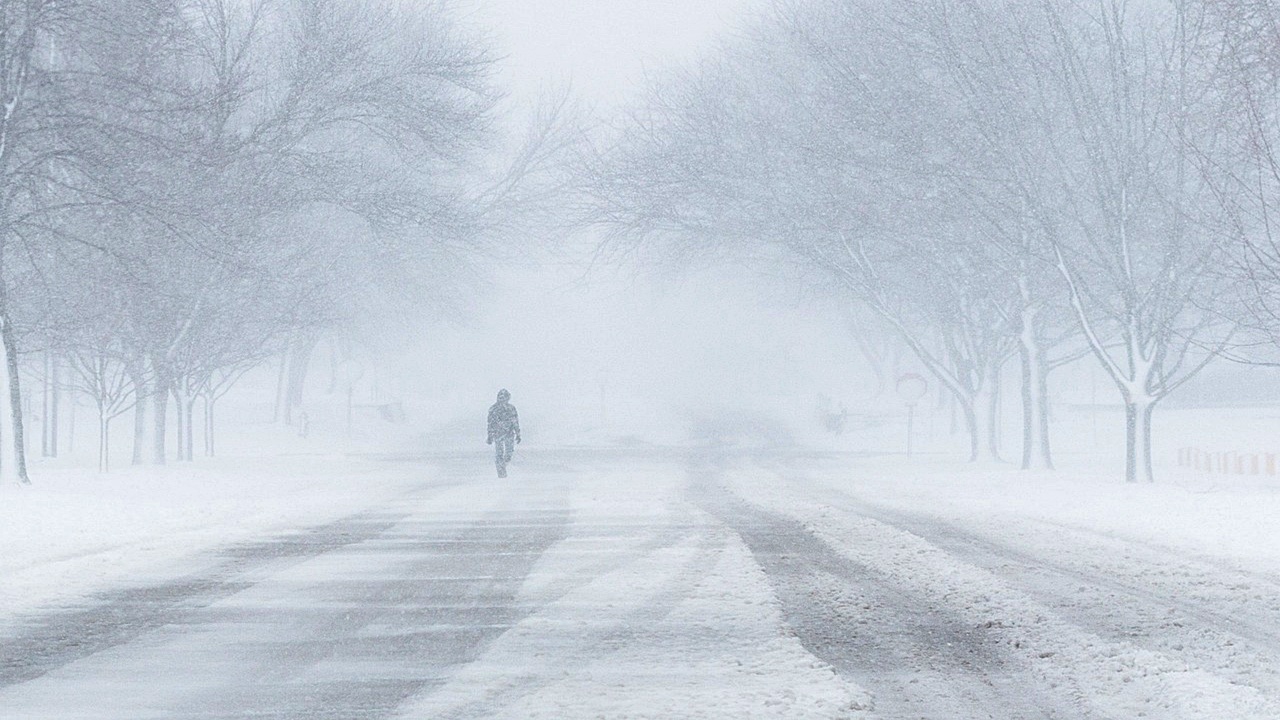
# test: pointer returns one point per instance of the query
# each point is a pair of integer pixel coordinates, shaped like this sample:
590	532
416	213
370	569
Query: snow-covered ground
75	531
646	608
700	581
587	587
1135	601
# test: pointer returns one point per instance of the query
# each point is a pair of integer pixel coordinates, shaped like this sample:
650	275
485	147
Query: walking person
504	431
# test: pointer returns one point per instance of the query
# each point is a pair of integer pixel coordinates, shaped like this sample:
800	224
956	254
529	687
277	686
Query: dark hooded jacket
504	421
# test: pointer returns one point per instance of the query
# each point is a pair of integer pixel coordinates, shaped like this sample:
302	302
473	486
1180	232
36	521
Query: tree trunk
71	425
103	439
281	376
1029	402
8	462
1137	413
299	360
16	467
991	395
142	391
56	395
980	412
975	425
208	426
188	424
160	410
1035	420
46	403
180	417
184	411
1042	391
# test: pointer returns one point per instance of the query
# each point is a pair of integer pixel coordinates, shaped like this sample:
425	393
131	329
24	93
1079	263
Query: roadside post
911	387
350	371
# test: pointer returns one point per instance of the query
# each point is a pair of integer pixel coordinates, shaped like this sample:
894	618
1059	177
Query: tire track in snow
1217	635
911	653
388	639
1085	618
40	642
320	644
592	646
57	639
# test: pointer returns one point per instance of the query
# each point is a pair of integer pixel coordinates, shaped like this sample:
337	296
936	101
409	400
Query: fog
599	356
831	359
605	50
614	352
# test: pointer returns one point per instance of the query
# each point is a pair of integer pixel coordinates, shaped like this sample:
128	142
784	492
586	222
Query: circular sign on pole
911	387
349	372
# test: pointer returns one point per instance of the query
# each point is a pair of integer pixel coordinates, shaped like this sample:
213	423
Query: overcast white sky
602	46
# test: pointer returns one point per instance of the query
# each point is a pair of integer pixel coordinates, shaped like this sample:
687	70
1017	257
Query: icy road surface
661	585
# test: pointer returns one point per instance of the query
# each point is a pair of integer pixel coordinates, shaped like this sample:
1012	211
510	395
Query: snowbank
1215	518
75	532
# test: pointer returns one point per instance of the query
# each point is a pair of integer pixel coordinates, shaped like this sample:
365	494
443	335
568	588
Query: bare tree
347	119
807	146
988	177
86	323
1129	95
103	375
26	26
1246	177
998	170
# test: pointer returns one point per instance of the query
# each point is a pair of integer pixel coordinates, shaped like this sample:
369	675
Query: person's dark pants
503	447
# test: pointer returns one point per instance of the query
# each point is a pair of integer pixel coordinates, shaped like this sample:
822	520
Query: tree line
188	187
990	181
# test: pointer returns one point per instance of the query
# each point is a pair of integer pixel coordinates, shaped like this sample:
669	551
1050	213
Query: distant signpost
911	387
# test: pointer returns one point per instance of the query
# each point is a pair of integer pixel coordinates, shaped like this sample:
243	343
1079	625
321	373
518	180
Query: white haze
561	331
710	247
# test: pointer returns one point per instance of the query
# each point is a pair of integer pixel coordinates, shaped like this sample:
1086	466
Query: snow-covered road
662	584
